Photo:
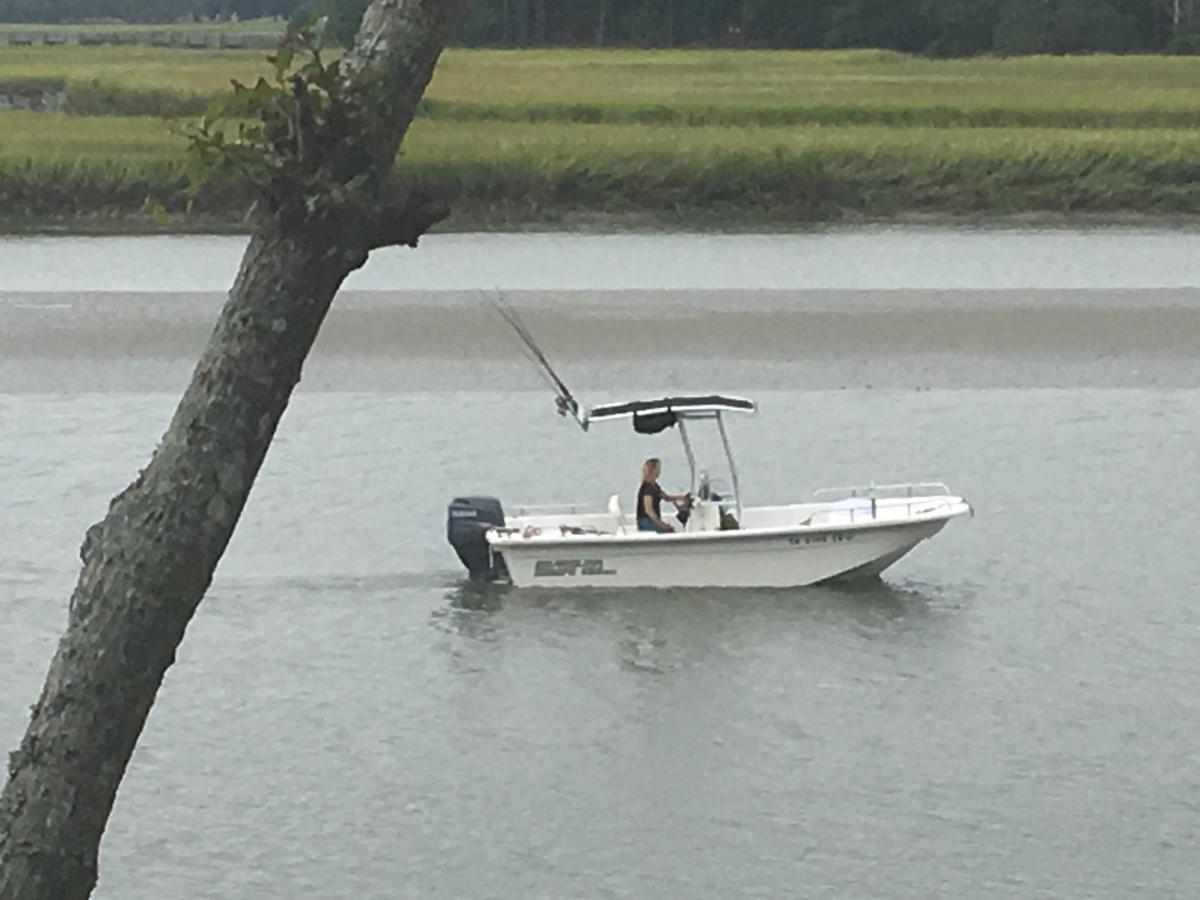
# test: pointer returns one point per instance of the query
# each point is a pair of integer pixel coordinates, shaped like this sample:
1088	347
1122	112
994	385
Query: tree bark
147	565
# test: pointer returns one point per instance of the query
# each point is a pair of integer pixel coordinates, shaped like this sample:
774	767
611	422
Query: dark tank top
654	492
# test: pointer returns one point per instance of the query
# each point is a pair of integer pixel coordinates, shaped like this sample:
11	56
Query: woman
650	497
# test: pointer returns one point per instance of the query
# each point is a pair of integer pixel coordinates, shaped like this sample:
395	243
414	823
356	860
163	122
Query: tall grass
101	168
683	87
847	80
789	175
682	136
800	115
198	72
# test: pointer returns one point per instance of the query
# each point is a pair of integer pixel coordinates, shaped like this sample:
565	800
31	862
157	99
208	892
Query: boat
836	535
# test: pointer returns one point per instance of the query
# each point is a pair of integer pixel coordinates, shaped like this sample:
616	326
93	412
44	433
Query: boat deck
831	510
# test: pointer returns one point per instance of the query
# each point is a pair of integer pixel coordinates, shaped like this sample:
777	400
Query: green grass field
834	87
684	136
704	86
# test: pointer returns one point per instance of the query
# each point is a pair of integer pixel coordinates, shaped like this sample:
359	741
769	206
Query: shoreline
576	221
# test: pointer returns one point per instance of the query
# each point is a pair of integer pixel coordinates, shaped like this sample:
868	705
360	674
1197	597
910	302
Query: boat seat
614	508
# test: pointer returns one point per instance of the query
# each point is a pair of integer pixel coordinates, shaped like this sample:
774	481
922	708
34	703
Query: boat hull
793	558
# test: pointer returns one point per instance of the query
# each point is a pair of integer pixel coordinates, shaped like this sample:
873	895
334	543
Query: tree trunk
147	565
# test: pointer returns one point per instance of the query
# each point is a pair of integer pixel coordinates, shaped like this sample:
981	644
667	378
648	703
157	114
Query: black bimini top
653	416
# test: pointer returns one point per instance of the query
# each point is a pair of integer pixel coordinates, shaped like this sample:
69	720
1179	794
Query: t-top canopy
653	416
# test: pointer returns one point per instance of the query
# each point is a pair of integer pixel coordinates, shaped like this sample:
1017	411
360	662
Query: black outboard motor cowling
467	522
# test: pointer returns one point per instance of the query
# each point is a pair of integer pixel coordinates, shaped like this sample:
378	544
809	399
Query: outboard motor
467	523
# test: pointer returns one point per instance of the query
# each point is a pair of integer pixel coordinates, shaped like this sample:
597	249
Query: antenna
564	400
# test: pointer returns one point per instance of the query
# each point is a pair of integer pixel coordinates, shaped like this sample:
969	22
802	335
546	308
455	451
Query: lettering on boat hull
559	568
809	540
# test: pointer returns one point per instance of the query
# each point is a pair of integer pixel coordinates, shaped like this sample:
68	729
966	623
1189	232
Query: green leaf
214	113
283	60
156	210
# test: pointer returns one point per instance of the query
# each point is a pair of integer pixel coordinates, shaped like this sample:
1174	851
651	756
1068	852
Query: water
1011	713
859	259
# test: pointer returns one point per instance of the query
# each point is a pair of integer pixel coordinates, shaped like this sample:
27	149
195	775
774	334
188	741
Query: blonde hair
651	468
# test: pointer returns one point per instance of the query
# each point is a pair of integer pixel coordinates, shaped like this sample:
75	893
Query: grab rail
933	495
887	491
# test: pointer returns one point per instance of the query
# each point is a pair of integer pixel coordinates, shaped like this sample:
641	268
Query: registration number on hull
560	568
809	539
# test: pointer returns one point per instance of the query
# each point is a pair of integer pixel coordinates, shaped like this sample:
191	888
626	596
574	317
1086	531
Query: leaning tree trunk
147	565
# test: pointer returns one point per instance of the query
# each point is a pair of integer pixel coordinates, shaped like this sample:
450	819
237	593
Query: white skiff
839	534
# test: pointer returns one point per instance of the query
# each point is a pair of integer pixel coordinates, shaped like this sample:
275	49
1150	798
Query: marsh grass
108	167
138	67
695	87
725	137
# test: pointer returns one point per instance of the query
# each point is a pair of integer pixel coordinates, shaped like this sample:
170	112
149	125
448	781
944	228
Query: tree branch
403	223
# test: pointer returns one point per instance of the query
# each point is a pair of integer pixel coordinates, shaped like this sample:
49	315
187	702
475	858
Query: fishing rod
565	401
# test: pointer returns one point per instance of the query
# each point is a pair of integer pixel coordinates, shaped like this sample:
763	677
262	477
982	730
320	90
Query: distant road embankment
257	33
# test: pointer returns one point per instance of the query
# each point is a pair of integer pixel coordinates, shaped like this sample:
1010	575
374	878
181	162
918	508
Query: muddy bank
518	217
644	339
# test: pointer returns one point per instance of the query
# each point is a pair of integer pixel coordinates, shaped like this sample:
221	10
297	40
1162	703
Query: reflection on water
656	631
872	597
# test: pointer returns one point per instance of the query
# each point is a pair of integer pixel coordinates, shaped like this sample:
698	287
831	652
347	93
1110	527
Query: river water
1012	712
